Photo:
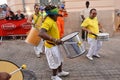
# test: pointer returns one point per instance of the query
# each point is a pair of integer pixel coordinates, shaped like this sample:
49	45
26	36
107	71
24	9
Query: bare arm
101	29
30	19
90	32
85	29
44	35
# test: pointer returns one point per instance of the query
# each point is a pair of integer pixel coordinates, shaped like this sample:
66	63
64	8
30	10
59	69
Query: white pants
95	45
54	57
39	49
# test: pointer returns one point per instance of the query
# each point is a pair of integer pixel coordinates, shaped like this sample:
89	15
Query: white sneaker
42	53
98	56
37	54
90	58
63	73
55	78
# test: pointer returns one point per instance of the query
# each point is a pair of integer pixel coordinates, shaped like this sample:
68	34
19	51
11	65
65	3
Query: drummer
49	32
36	20
4	76
91	25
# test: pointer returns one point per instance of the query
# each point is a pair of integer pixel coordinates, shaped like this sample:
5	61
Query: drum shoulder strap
37	19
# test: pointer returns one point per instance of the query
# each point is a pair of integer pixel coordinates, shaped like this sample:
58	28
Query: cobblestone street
105	68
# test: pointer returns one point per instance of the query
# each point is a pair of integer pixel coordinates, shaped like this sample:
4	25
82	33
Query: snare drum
7	66
33	37
103	36
73	45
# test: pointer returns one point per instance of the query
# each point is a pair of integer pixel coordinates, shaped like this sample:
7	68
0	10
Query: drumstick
22	67
79	43
94	34
70	42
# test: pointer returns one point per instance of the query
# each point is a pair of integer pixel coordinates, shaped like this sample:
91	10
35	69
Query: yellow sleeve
45	26
85	23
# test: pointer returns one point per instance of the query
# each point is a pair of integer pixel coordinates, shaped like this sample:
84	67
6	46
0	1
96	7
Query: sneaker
98	56
63	73
37	54
42	53
55	78
90	58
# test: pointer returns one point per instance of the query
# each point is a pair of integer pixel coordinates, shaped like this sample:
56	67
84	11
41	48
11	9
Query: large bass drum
16	72
8	66
73	45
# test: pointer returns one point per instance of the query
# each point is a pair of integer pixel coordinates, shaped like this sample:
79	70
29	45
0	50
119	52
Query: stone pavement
105	68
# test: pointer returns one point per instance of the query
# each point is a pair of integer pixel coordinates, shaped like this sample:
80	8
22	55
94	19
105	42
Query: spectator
10	16
84	14
2	14
4	6
62	10
19	15
7	10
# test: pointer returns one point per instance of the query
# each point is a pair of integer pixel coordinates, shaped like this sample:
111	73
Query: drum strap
51	43
37	19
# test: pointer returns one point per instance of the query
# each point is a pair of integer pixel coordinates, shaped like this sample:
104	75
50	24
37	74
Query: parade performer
36	20
49	31
91	25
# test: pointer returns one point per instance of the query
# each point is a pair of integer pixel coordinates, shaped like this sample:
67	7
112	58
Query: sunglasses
37	8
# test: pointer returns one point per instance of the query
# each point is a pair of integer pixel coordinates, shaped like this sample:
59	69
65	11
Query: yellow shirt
92	25
39	21
52	30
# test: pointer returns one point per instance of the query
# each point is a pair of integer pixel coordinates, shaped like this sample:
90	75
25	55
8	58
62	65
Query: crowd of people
7	14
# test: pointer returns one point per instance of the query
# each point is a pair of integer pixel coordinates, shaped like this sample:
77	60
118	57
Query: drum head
69	36
7	66
103	34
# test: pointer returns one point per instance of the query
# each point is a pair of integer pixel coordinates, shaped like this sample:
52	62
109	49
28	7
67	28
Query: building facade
107	10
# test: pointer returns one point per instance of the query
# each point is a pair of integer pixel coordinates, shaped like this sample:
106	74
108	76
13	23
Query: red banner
14	27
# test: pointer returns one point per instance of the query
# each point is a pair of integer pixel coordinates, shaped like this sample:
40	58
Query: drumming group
47	37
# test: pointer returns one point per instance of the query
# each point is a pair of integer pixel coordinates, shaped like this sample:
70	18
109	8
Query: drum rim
72	36
76	55
102	34
15	65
